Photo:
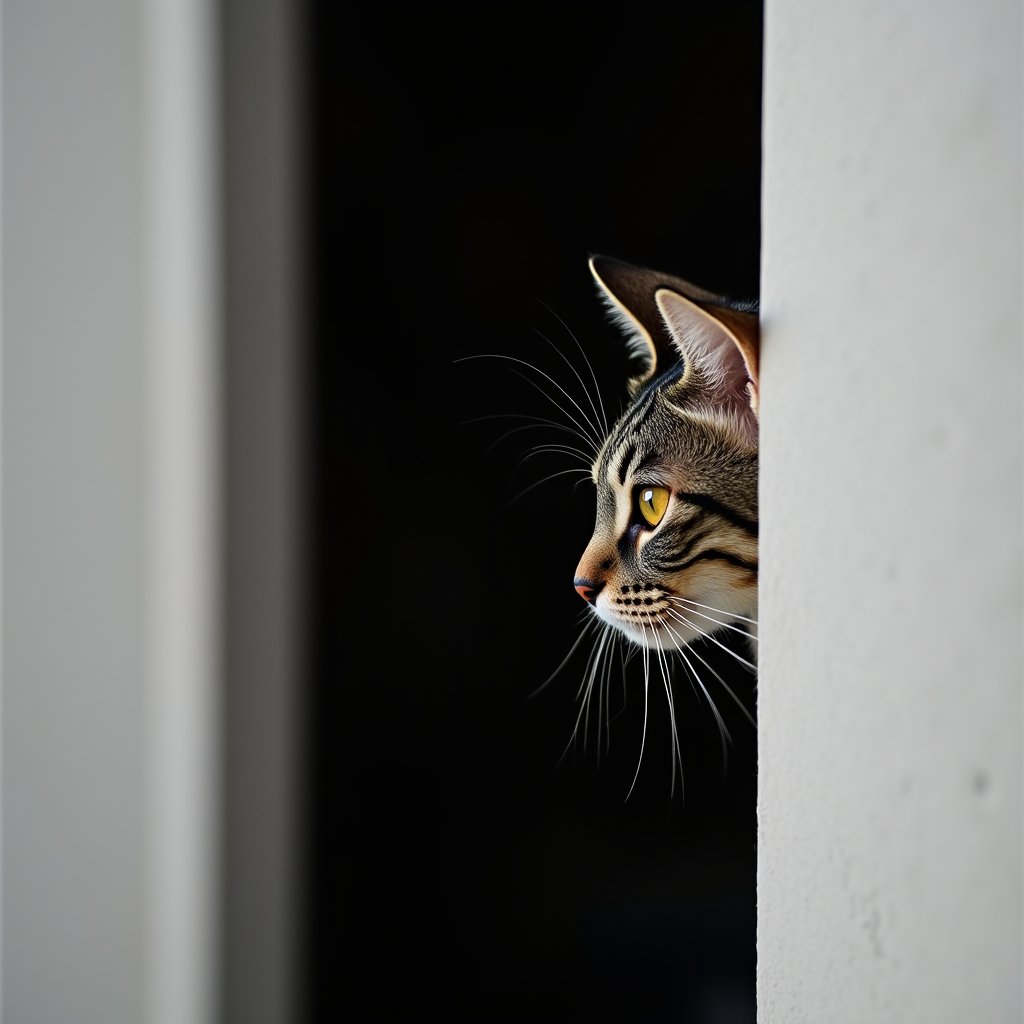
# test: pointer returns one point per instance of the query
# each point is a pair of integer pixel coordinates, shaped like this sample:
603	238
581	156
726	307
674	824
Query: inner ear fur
631	292
710	347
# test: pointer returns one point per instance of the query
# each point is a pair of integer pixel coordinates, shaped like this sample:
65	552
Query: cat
673	556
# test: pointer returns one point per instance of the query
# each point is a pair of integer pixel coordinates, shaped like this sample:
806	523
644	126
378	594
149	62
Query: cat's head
674	550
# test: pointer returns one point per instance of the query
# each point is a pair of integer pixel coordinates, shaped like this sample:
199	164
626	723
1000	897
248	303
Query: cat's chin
654	634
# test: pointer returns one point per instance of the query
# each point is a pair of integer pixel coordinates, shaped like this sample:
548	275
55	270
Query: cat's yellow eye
653	501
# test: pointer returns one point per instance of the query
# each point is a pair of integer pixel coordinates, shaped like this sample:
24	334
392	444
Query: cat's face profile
673	556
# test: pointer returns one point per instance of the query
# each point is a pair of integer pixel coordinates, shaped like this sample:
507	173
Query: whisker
539	424
728	689
578	429
586	391
720	611
543	480
605	659
724	625
590	689
593	665
643	737
593	376
584	704
595	436
723	729
512	416
712	638
585	430
590	661
625	654
596	425
676	752
616	640
557	449
592	621
555	446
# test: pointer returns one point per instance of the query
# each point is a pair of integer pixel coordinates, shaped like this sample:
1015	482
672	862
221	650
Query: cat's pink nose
587	589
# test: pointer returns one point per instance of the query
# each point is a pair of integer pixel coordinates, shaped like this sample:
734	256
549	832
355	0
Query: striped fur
691	427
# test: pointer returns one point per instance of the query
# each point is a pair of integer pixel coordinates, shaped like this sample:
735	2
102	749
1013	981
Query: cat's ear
654	340
628	293
719	349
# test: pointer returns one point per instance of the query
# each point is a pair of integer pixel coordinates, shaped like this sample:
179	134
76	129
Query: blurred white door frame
151	500
111	436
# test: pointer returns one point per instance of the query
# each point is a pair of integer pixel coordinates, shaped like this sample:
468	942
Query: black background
464	165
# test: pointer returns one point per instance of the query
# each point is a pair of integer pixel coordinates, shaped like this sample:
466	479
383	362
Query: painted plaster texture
889	878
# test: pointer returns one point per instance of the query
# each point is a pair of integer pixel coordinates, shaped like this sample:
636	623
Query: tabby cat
673	556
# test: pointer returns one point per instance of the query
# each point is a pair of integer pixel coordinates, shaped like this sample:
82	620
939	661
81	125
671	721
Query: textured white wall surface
890	872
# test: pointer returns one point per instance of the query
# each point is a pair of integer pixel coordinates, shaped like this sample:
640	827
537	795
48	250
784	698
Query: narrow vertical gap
459	179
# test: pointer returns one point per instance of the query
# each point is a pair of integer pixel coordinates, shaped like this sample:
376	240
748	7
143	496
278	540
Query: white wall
889	877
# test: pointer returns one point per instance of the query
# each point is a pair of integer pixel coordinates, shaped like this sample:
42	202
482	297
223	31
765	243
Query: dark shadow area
464	166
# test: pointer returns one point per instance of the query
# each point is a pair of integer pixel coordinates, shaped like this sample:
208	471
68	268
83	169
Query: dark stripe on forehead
670	376
705	501
645	402
650	457
634	419
624	469
627	458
